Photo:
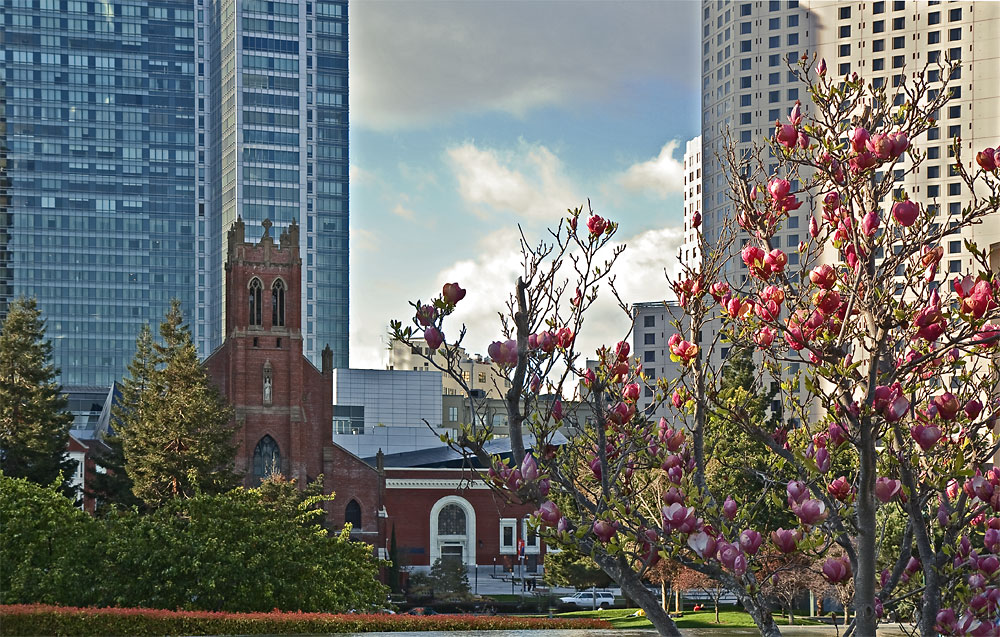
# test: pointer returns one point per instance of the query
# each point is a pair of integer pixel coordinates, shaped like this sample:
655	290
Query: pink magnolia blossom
728	554
973	409
786	540
925	436
605	530
858	138
631	392
862	162
947	405
703	544
549	513
764	337
750	541
504	353
452	293
840	489
529	468
696	219
775	261
870	223
434	337
785	134
718	290
987	159
905	213
597	225
557	410
837	570
826	301
837	435
797	492
730	508
823	460
564	337
811	512
821	67
677	516
823	276
887	489
426	315
673	495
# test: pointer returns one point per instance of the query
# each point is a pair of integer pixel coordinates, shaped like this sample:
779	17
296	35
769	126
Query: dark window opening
266	459
352	514
255	312
278	304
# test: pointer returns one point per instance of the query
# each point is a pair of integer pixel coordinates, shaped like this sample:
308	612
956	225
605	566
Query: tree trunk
663	595
633	587
791	616
758	610
864	579
847	614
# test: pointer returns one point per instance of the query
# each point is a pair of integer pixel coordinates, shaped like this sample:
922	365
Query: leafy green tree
573	569
739	464
176	430
49	549
111	486
449	580
34	422
237	551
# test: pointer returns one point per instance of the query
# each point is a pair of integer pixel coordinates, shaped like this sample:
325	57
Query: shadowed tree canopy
34	422
175	428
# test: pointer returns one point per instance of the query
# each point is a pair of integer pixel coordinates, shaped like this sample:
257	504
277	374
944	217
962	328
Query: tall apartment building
690	252
98	218
134	133
273	144
746	86
652	326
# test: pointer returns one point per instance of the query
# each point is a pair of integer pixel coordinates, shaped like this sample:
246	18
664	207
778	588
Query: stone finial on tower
290	238
266	224
236	235
327	360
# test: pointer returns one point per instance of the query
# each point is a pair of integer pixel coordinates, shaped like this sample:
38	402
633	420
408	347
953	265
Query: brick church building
283	404
284	408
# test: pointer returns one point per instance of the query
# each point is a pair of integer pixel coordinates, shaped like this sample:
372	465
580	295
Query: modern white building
653	324
690	252
391	410
746	87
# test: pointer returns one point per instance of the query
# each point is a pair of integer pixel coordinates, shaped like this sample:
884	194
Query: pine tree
176	429
34	422
111	486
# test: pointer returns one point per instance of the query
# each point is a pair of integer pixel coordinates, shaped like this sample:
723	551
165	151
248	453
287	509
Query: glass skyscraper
134	133
98	214
273	145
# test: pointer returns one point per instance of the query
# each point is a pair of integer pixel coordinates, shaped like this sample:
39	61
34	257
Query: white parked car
586	600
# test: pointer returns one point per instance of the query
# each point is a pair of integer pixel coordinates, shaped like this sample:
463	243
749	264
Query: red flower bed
39	619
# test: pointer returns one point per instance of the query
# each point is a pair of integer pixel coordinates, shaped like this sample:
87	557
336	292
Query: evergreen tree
112	486
34	422
176	429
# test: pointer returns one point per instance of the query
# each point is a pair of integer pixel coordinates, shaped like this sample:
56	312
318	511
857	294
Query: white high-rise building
746	86
690	253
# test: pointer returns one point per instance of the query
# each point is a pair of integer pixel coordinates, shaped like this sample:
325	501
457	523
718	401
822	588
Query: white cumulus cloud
529	182
490	278
661	175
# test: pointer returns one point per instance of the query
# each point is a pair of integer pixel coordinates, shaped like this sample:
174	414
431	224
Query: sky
470	119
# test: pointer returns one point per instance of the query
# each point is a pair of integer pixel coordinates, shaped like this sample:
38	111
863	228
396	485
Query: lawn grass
620	618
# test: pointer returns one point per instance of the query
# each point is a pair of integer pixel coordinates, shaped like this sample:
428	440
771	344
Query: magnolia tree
892	406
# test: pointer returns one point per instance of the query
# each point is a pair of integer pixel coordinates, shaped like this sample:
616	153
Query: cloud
415	63
529	182
490	278
359	175
362	239
401	211
662	175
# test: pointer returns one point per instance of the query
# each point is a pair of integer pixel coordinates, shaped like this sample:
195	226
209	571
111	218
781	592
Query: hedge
39	619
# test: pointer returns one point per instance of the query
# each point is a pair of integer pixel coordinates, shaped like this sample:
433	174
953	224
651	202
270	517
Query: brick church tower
283	404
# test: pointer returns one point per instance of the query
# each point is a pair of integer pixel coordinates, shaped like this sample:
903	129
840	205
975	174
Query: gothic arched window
266	459
352	514
278	303
255	310
451	520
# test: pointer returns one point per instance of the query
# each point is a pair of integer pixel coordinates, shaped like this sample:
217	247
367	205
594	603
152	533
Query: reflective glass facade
273	141
98	219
